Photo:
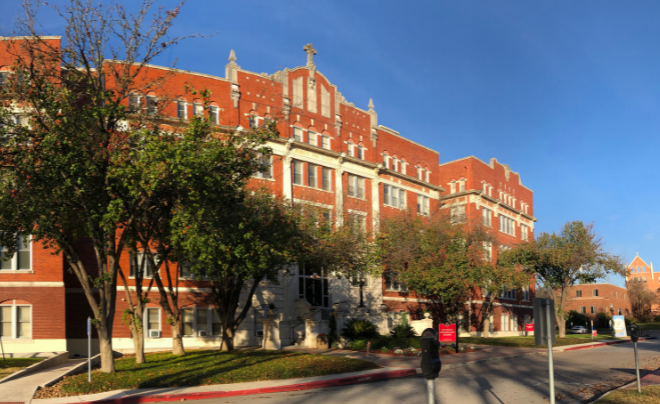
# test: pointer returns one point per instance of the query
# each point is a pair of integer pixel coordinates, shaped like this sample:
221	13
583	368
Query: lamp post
361	284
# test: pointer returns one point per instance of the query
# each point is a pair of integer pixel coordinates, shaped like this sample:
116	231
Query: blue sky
567	93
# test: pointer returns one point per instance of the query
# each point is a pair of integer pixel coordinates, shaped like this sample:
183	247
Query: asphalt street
579	377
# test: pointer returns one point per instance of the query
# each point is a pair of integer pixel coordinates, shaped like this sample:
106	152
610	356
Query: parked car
578	330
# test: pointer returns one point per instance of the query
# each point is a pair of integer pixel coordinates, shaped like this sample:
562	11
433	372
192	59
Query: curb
277	389
575	348
631	384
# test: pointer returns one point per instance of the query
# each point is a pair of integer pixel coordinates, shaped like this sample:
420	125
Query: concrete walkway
21	390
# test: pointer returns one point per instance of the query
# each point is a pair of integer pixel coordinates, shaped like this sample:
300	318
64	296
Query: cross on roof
310	54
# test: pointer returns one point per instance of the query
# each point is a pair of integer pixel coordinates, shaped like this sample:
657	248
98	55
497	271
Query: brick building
591	299
332	154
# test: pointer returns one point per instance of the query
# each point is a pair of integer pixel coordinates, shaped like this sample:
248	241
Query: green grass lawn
649	395
528	342
211	367
13	365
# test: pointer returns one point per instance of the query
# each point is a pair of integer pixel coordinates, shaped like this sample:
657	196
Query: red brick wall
607	295
48	309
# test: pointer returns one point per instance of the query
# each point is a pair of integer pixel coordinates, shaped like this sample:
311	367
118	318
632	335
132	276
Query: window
428	175
419	173
583	310
578	293
395	162
297	134
298	92
298	173
594	292
313	286
422	205
386	161
504	325
457	214
644	280
643	269
355	186
181	110
508	294
633	270
360	152
153	320
514	322
357	222
326	179
394	196
461	185
488	251
133	102
213	114
311	175
16	320
525	293
4	77
593	309
524	231
266	167
507	225
253	121
393	284
198	109
22	259
486	217
325	102
186	273
312	138
259	322
136	264
349	149
452	187
152	105
200	322
325	142
311	95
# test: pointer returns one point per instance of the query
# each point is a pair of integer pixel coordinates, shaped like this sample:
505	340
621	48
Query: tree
641	300
443	260
561	260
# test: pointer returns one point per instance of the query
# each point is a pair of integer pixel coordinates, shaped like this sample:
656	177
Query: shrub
359	344
576	318
656	319
403	331
358	329
384	349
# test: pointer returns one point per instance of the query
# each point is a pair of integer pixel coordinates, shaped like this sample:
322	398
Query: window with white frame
457	214
504	325
325	102
395	164
298	134
524	231
349	149
393	196
594	293
311	175
452	187
485	187
525	293
265	167
420	173
187	273
297	172
461	185
198	109
355	186
428	175
508	294
423	205
200	322
403	166
486	215
326	179
259	315
181	110
386	159
325	142
22	259
152	105
488	251
152	316
393	283
313	285
311	95
357	221
214	115
253	121
583	309
298	92
360	152
514	322
507	225
140	263
133	103
312	138
16	320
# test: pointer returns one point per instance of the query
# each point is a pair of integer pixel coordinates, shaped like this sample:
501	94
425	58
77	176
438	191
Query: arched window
198	107
152	103
386	160
16	319
297	131
4	75
214	113
181	108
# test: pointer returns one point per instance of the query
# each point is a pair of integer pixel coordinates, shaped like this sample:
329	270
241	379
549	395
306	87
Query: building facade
593	298
331	154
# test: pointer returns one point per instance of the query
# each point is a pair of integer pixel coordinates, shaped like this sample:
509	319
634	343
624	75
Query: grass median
649	395
198	368
528	342
13	365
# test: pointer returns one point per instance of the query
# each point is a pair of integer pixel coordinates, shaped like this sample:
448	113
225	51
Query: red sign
447	333
594	333
529	327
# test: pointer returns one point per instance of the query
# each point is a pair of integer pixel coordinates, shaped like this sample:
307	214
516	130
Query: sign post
544	317
89	350
634	336
447	332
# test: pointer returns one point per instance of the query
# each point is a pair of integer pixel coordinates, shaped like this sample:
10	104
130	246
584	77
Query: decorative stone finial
310	54
232	56
371	104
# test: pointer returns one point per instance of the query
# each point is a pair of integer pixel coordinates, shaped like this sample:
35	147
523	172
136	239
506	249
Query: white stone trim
31	284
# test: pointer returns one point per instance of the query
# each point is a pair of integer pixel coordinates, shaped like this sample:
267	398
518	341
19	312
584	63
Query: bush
403	331
359	345
656	319
358	329
576	318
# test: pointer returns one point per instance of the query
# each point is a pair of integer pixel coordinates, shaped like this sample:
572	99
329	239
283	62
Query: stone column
339	192
375	199
287	185
271	339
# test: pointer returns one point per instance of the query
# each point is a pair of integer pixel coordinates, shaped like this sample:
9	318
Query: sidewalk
22	389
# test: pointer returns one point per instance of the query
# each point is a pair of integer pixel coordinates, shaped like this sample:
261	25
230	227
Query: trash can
322	341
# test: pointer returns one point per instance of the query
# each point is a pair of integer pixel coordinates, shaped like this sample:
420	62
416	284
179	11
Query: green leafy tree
641	300
559	261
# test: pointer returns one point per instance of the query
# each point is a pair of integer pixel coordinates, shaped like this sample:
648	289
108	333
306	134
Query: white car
578	330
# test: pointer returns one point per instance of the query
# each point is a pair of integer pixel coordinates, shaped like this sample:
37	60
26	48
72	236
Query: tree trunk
488	302
105	344
177	338
138	343
559	317
227	339
486	331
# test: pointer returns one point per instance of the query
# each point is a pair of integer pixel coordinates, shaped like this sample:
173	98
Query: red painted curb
601	344
278	389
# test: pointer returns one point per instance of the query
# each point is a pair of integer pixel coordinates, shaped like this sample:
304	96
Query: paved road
579	376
